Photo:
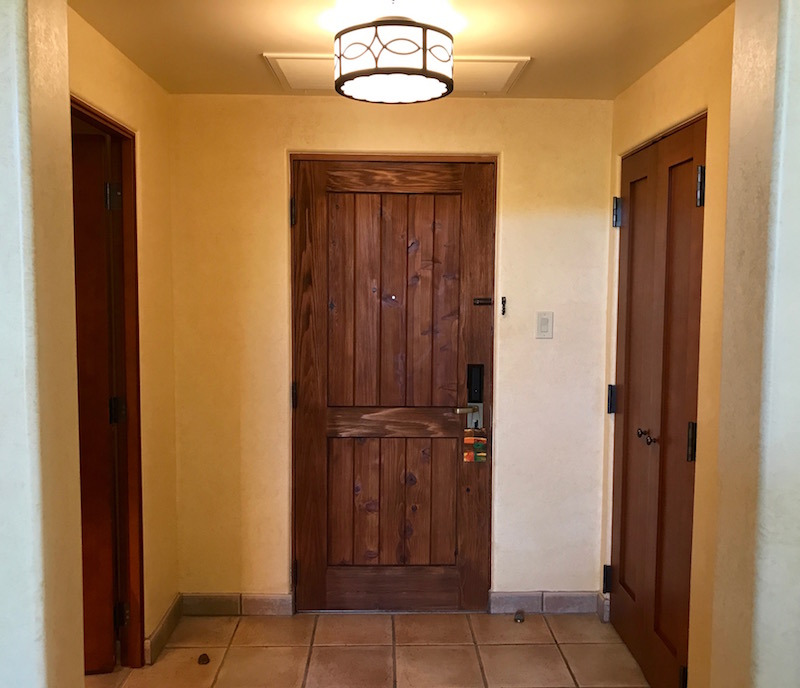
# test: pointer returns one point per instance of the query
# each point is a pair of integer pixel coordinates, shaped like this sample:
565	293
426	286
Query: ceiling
578	48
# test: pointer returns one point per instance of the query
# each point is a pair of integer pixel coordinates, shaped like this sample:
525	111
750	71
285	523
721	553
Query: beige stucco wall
693	79
40	548
232	331
776	628
104	78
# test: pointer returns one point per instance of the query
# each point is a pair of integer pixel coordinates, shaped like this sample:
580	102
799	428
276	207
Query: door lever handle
465	410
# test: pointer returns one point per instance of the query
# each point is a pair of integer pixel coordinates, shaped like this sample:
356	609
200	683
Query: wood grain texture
418	502
393	588
657	364
341	306
419	347
394	238
393	478
395	177
340	501
445	461
418	261
393	422
366	510
126	325
476	346
310	373
95	362
446	290
367	299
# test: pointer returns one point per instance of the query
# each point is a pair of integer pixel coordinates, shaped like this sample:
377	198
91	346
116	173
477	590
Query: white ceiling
579	48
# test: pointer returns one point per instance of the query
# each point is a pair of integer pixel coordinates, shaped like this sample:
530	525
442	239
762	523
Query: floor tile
525	666
438	667
263	667
178	668
274	630
112	680
353	667
353	629
432	629
603	666
501	629
581	628
203	631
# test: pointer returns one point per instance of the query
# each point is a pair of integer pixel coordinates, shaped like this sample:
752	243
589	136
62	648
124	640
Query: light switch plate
544	325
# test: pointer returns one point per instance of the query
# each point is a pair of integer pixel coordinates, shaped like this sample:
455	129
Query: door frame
377	158
129	470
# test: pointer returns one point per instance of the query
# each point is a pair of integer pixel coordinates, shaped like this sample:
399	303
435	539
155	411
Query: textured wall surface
233	340
40	546
104	78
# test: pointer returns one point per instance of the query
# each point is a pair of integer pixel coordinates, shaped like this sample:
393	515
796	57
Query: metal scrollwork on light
394	61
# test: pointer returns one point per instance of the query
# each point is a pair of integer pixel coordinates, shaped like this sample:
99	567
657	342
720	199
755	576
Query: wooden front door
657	370
388	259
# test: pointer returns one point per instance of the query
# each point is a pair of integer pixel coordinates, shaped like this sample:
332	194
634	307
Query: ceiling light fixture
394	60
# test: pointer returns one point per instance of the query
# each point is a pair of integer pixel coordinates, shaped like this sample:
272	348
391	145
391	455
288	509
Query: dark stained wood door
388	259
100	379
657	372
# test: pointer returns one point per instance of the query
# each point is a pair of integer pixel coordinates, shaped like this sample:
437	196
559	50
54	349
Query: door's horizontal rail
394	422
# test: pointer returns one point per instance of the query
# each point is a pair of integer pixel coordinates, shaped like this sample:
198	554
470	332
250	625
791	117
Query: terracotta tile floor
385	651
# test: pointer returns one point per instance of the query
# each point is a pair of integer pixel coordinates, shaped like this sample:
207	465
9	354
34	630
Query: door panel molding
388	257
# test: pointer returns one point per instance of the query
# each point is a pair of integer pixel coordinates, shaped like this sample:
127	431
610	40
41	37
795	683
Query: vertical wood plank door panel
387	260
657	362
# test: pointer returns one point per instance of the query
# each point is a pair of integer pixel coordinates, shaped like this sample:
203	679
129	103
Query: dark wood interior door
657	371
100	384
388	259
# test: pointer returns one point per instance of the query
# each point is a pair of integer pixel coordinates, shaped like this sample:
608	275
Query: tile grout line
394	655
225	654
477	651
560	651
310	650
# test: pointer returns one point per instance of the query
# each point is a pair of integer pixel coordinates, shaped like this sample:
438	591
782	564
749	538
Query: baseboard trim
548	602
267	605
511	602
216	604
154	644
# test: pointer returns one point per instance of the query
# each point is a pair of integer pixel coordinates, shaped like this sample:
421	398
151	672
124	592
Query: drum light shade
394	60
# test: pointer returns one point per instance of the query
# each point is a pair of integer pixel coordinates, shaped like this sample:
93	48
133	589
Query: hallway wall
233	347
105	79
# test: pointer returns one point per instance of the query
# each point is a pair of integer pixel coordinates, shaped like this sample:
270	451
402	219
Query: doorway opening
107	319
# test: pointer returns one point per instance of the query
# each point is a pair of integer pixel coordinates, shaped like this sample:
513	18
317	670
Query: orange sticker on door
475	442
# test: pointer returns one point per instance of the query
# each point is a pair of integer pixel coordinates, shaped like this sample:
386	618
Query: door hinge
294	395
294	573
122	614
293	212
691	448
113	192
701	186
683	681
117	410
612	399
606	578
616	217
